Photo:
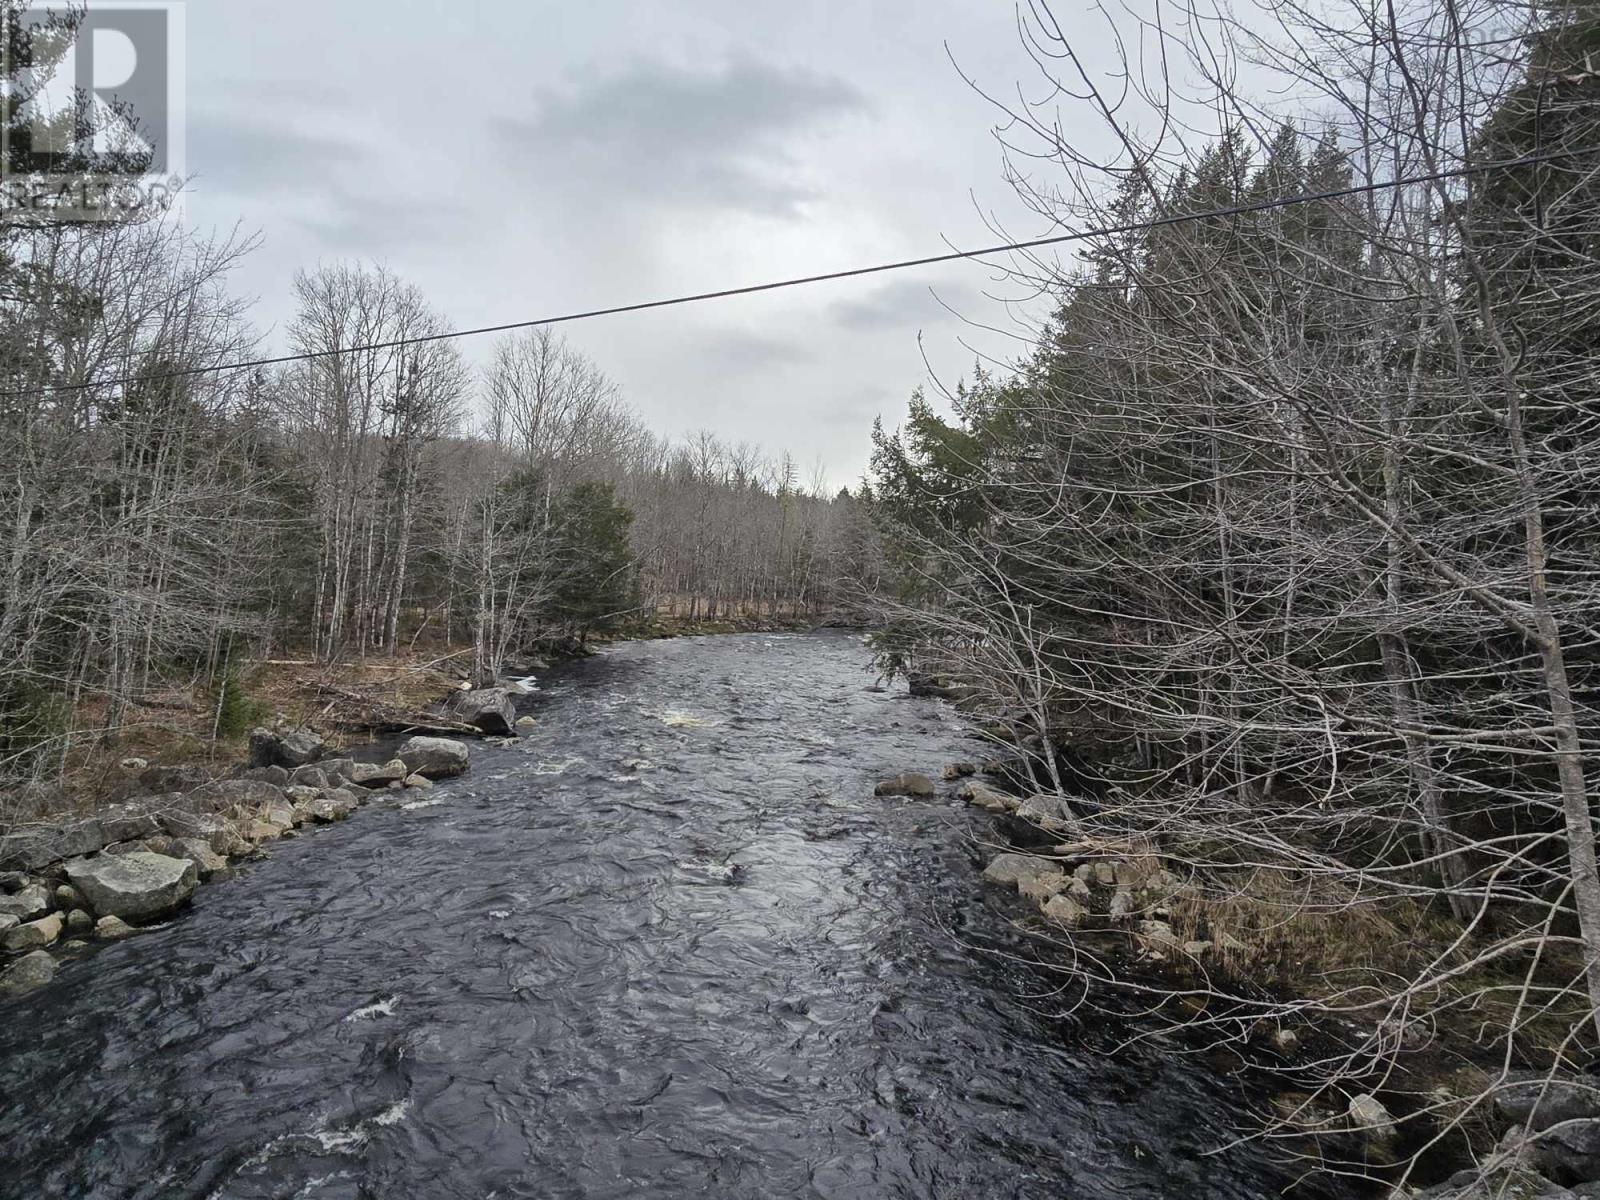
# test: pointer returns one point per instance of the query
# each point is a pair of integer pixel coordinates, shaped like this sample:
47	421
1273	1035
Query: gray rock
112	929
990	799
1121	904
279	812
291	748
31	902
381	775
79	923
1537	1101
35	935
219	834
1369	1116
418	782
959	770
433	758
135	887
527	723
490	709
33	847
918	787
275	775
1569	1150
7	921
1158	934
1042	888
28	972
12	881
337	770
1049	813
312	777
164	780
198	851
1015	868
1064	910
336	806
129	823
242	795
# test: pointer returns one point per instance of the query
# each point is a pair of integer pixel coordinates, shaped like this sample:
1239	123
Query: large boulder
1569	1152
134	887
488	708
433	758
33	847
1537	1101
290	748
28	972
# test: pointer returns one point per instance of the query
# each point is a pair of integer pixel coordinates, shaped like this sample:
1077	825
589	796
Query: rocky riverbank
1485	1130
67	883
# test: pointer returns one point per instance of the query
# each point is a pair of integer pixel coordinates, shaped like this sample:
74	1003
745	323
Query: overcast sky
518	158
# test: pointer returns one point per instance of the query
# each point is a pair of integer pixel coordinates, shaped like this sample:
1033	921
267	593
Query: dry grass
173	726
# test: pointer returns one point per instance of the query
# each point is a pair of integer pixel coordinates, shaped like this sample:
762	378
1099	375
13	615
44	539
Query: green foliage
597	579
237	712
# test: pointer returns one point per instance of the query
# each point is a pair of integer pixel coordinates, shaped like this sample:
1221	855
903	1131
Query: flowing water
668	946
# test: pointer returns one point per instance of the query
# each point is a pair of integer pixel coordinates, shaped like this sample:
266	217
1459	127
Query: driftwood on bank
377	715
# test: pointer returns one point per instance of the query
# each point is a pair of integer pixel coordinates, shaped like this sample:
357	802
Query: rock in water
35	935
28	972
488	708
1019	868
918	787
112	929
378	775
293	748
433	758
134	887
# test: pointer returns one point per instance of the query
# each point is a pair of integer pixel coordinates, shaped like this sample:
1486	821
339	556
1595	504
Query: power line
805	280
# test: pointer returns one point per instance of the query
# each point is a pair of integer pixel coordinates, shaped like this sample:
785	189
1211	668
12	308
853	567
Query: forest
166	524
1278	547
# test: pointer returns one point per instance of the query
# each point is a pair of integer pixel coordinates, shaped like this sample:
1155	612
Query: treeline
163	522
1283	539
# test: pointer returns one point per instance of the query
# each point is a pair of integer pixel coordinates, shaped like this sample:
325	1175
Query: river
669	945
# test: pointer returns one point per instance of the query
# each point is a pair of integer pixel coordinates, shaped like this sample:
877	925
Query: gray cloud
246	156
905	303
721	140
753	351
